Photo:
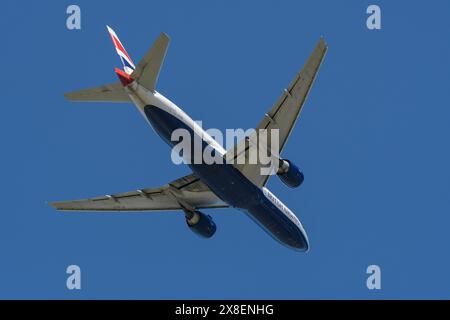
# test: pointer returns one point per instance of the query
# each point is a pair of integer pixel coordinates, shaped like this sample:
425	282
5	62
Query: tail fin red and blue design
128	65
145	73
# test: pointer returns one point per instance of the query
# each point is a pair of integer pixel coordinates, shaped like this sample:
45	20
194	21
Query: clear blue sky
373	142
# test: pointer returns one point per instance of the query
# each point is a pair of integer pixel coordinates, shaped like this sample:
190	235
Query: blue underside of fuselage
232	186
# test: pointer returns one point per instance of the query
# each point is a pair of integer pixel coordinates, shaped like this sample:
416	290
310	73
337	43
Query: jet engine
290	174
200	223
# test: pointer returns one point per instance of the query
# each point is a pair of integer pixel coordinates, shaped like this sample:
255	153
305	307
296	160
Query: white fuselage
225	180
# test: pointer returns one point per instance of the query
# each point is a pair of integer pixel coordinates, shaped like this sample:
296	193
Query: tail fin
128	65
146	73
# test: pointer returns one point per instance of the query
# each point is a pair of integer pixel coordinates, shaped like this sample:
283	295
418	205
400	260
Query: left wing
188	192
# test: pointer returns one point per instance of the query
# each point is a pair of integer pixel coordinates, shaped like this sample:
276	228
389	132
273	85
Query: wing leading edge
188	192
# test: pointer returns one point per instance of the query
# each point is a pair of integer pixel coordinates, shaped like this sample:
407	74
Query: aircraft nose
301	242
301	246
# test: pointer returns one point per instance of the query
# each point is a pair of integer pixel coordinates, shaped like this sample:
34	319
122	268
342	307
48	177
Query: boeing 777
239	185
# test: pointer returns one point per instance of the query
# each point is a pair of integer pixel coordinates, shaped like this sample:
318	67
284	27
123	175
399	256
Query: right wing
112	92
282	116
188	192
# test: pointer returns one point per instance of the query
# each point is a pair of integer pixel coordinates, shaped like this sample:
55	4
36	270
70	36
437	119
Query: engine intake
290	174
200	223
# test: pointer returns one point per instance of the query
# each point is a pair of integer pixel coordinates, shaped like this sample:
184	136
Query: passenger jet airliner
241	186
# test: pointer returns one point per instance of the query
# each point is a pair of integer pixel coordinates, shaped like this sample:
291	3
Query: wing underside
282	116
188	192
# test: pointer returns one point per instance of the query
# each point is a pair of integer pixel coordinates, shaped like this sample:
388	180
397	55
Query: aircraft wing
282	116
187	192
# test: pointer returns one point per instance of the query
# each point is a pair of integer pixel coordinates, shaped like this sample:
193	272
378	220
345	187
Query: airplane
236	185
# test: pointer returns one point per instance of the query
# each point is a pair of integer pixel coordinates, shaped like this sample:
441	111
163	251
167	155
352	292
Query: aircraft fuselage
227	182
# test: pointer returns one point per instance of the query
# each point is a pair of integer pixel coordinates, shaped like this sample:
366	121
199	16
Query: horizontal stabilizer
113	92
147	71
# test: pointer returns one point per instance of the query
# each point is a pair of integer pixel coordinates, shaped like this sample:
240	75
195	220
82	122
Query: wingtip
51	204
323	42
68	96
165	35
55	205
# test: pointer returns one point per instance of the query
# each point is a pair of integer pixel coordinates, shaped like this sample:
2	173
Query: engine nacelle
200	223
290	174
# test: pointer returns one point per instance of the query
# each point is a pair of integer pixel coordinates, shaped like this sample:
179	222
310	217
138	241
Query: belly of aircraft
232	186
